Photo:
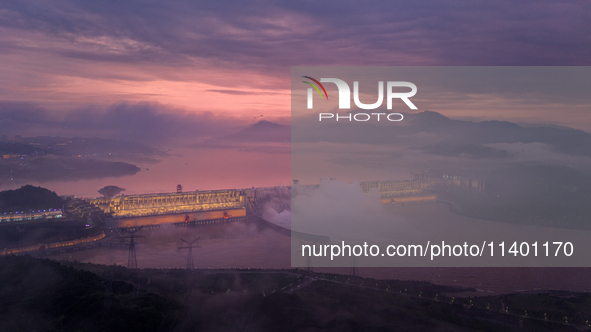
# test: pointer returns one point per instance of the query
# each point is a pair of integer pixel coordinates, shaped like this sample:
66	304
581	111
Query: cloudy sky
212	64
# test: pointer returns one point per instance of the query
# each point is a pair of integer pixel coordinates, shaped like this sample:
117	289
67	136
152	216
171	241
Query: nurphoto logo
345	99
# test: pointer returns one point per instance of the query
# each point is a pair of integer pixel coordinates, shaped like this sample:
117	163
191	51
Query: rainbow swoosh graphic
315	87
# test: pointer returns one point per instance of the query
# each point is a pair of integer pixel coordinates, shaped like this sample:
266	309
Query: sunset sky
63	62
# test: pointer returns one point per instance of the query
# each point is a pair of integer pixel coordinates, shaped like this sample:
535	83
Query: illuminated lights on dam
171	203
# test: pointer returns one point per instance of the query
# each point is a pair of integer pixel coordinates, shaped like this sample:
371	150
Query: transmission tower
132	259
190	246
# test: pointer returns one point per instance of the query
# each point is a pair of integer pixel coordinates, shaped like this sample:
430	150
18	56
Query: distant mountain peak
266	124
263	131
432	115
430	118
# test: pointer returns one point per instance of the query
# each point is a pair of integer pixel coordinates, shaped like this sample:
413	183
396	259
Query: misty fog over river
242	245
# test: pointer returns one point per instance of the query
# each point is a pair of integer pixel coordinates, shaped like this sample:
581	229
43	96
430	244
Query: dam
170	203
202	207
189	208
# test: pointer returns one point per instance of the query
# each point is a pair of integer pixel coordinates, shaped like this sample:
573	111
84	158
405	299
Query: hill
262	131
29	198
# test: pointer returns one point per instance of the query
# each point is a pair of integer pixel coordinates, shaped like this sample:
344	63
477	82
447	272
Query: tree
110	191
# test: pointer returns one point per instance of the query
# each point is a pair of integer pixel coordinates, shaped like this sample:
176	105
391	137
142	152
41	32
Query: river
241	245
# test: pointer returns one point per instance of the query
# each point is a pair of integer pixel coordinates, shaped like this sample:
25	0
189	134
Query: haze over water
242	245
